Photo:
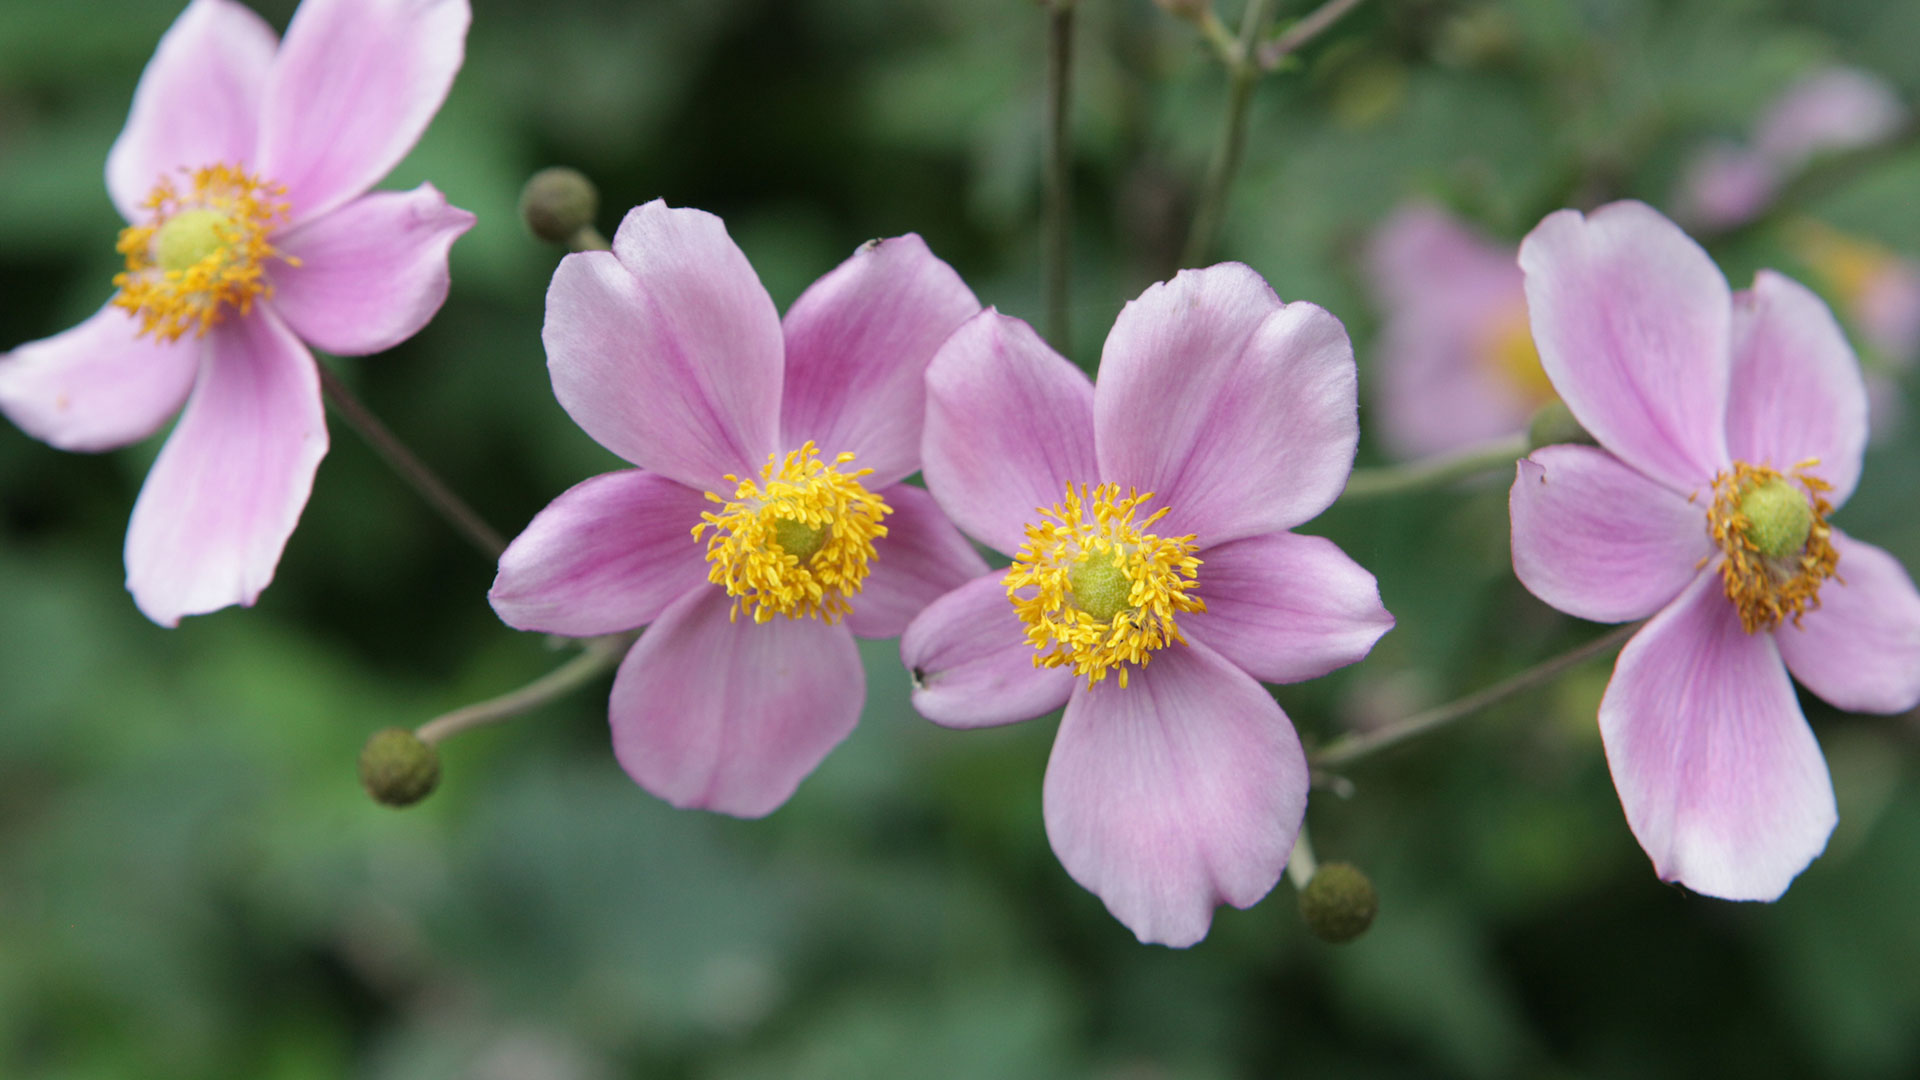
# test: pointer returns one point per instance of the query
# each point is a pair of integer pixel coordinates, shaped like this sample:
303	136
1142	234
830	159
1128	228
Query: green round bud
557	203
1779	518
1339	903
398	768
1553	425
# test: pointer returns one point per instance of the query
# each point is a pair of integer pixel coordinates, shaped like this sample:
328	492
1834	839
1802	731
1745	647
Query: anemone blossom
1455	363
1154	579
766	524
1730	427
242	173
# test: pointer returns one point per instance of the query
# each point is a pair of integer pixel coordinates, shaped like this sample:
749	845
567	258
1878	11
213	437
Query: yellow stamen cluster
201	252
796	543
1771	573
1096	589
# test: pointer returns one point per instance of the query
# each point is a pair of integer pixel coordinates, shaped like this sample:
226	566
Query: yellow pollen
1507	350
1096	589
797	542
1772	529
201	252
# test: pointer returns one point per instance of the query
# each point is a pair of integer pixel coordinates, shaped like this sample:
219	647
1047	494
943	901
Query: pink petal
1239	412
1888	312
1717	770
1183	791
1831	110
972	665
1796	391
1596	539
858	343
922	558
231	480
198	102
667	350
1009	426
1725	185
609	554
1284	607
1422	253
371	273
96	386
354	86
716	714
1861	649
1632	320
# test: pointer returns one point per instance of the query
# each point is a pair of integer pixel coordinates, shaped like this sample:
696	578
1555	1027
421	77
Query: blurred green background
192	884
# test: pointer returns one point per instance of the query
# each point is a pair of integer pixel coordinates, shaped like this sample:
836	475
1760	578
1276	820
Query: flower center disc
200	252
797	542
1509	353
1773	530
1096	590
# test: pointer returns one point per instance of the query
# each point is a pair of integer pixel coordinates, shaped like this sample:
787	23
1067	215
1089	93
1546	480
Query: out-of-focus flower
1154	579
242	173
1730	426
1828	111
766	524
1455	363
1878	293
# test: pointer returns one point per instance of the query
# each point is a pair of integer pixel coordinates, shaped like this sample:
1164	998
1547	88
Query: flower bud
398	768
1339	903
1553	425
557	203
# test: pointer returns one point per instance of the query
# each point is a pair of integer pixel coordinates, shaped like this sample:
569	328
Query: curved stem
1243	71
411	469
1059	186
1434	472
1308	28
1352	748
600	654
588	239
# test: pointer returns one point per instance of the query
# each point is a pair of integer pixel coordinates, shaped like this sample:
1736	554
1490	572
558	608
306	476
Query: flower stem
411	469
1059	180
1312	26
599	655
1301	865
1345	751
588	239
1243	71
1435	472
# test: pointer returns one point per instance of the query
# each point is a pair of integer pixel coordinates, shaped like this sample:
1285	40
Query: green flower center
1100	587
1779	518
799	539
189	237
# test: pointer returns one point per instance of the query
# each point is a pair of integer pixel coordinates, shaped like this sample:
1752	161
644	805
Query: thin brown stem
411	469
601	654
1345	751
1312	26
1242	73
1435	472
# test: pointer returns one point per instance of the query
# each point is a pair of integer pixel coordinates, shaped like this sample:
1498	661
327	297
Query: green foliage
192	885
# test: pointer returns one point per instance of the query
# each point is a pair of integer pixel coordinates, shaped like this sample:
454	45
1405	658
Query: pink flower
1878	294
1456	364
1831	110
1730	426
766	524
1154	579
242	172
